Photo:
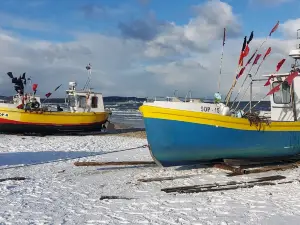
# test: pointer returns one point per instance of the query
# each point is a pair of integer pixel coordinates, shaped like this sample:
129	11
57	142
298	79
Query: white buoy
224	110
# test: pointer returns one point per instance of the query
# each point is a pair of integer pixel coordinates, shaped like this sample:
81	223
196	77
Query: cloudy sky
140	47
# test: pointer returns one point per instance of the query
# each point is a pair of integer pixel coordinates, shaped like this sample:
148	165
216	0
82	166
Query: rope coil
257	120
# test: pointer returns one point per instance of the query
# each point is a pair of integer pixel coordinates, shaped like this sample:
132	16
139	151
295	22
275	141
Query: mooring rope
257	120
78	157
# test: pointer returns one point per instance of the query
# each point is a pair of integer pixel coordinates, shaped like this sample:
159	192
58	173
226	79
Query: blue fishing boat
178	137
182	135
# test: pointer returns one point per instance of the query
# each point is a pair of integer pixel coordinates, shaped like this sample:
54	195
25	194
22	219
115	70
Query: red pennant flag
269	80
291	77
34	87
240	73
273	90
244	54
241	60
267	53
274	28
246	51
279	65
256	59
224	36
48	94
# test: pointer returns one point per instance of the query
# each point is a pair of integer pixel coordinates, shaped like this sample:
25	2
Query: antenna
89	70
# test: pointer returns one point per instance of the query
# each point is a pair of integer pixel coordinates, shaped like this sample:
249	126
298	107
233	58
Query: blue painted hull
176	143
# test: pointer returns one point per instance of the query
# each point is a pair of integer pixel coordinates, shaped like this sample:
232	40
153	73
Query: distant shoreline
125	131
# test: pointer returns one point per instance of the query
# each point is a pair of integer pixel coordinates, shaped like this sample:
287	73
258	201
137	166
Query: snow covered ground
58	192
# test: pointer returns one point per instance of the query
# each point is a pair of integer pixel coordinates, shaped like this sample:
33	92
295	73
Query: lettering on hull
209	109
3	114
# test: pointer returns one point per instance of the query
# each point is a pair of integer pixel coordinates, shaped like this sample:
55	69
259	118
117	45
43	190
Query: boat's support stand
258	167
237	167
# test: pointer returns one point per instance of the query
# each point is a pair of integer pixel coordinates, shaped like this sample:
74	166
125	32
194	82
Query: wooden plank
116	163
104	197
166	178
200	188
227	188
12	178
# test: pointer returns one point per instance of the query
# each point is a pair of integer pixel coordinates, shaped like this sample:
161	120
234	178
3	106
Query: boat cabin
285	103
84	100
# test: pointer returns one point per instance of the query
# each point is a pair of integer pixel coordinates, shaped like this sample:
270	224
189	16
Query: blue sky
139	47
67	16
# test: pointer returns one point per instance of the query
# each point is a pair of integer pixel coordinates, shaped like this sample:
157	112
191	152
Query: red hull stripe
6	121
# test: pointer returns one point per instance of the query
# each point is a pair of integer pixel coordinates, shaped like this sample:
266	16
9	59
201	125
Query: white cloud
180	58
51	63
199	33
290	27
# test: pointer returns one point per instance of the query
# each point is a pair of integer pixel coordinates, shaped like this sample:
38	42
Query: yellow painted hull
216	120
19	120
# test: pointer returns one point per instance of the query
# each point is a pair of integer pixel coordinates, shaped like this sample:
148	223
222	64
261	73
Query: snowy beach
56	191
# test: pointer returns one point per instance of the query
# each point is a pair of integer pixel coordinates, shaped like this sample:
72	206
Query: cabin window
94	103
283	96
82	101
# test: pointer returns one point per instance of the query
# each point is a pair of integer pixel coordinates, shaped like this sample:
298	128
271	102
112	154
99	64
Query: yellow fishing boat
26	113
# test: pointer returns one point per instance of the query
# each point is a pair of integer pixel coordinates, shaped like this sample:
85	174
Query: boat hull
181	137
21	121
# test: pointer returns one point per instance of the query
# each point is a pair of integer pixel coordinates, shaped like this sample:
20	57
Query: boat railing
172	99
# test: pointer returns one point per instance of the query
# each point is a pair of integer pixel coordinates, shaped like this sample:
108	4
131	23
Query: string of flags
277	69
255	62
288	80
245	51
